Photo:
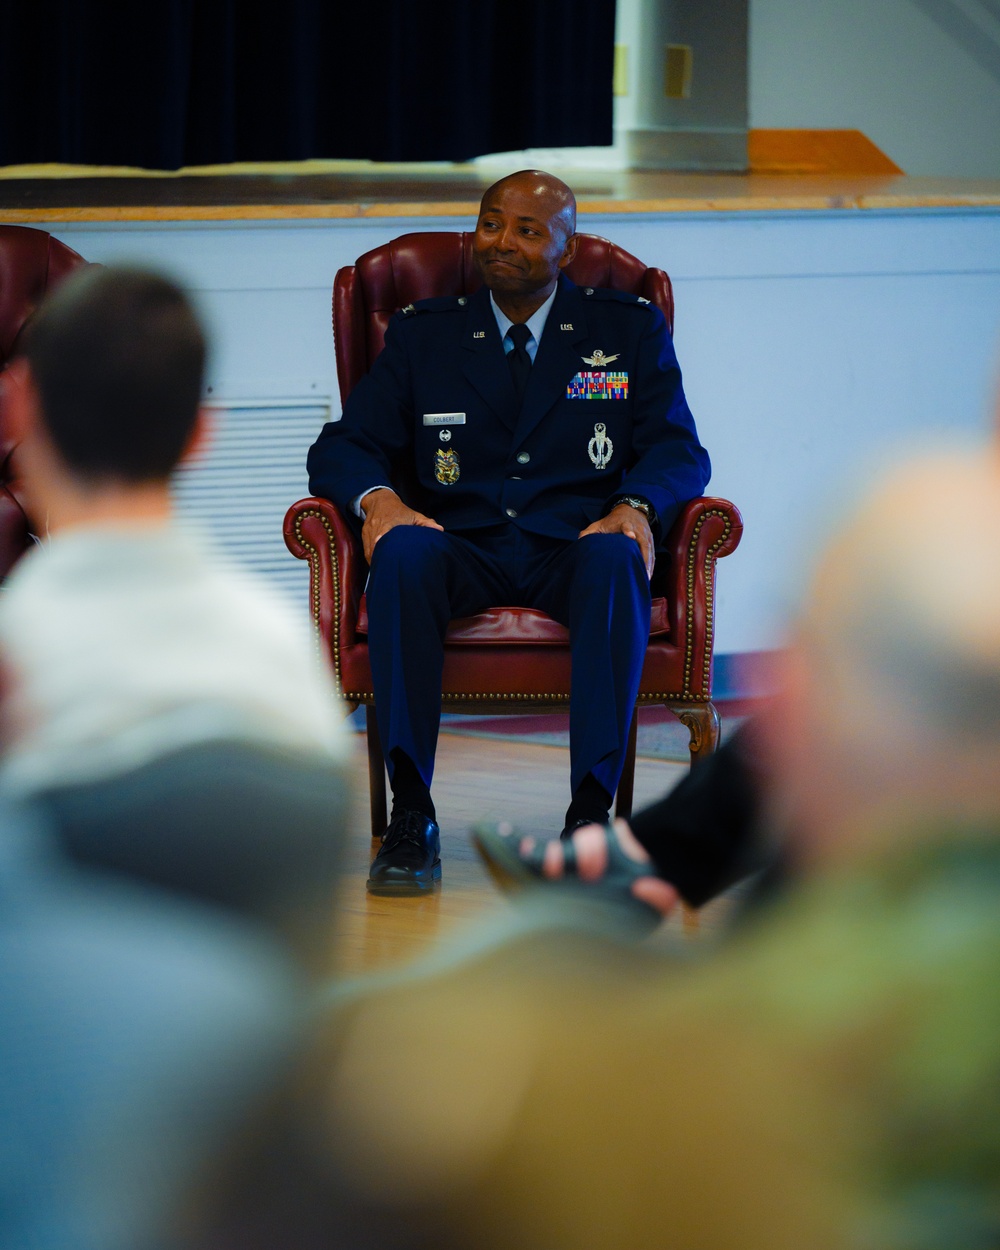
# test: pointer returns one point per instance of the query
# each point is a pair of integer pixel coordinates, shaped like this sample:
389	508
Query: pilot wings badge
599	360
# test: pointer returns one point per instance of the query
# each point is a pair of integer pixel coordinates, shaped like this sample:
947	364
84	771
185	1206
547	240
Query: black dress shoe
571	826
409	859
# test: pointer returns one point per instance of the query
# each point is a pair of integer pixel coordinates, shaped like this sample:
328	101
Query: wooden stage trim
151	212
847	152
380	192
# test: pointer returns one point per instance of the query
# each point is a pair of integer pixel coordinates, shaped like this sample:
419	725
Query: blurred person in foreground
141	1034
703	836
831	1078
165	711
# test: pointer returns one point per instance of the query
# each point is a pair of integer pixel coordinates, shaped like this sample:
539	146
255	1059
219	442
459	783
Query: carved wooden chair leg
376	772
702	721
623	801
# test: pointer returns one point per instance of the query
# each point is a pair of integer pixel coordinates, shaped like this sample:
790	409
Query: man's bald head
552	195
526	233
907	599
893	707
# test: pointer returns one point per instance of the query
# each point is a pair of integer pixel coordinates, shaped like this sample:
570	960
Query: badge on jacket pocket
600	448
446	467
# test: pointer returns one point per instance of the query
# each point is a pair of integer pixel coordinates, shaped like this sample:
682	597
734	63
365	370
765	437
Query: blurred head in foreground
104	399
830	1077
890	719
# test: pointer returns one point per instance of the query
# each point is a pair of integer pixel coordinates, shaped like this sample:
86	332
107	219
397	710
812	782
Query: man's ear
200	438
569	251
18	403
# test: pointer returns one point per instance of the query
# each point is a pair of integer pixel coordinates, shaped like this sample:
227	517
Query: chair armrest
705	530
316	530
15	528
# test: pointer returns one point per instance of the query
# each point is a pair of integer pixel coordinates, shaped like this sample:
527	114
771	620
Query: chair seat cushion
517	625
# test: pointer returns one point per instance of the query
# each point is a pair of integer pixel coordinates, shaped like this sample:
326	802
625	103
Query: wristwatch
640	504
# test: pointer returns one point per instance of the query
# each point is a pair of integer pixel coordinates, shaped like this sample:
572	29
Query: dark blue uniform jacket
604	413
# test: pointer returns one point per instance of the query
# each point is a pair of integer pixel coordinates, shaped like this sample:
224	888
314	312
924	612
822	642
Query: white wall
921	78
717	35
814	345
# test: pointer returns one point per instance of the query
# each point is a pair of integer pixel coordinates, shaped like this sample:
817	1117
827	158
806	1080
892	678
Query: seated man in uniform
544	480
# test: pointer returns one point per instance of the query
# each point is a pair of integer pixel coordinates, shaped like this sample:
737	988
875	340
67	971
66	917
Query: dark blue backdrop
181	82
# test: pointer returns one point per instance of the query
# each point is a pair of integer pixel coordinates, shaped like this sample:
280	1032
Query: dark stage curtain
189	82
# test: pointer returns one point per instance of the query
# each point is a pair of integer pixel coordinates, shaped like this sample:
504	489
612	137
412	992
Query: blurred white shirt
118	645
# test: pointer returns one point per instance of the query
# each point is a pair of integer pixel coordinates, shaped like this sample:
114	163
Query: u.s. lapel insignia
566	325
446	467
600	448
479	334
599	360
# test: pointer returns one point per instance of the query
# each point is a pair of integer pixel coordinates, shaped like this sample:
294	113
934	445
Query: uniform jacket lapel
485	365
557	360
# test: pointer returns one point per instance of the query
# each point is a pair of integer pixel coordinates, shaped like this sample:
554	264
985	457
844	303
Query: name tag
444	418
598	384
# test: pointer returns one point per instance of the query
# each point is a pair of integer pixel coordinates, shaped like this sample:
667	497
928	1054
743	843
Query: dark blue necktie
518	359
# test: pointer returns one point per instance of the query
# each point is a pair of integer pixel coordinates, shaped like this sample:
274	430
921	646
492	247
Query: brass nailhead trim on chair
555	700
486	696
709	602
314	595
669	697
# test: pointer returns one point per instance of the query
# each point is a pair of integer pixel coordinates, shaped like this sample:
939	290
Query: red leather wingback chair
507	659
31	264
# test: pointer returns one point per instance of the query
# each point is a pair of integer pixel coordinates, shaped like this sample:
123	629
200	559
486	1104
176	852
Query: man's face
522	240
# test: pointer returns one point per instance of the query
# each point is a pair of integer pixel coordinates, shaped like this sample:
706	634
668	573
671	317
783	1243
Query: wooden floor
476	779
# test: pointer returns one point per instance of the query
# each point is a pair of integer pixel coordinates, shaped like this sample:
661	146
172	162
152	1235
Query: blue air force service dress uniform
513	484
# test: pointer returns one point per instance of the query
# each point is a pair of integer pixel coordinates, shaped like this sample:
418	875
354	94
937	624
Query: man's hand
633	524
384	510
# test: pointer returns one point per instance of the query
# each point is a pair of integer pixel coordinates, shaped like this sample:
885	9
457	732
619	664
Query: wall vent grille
240	490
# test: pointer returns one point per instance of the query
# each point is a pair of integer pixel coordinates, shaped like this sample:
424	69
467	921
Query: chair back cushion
32	262
426	264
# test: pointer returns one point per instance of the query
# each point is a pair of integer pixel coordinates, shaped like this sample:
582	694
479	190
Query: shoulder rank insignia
599	360
446	467
408	311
